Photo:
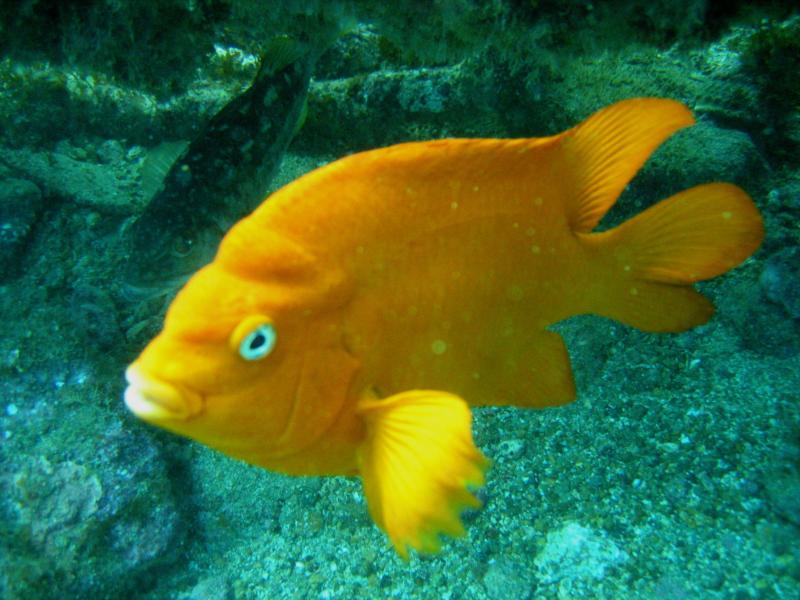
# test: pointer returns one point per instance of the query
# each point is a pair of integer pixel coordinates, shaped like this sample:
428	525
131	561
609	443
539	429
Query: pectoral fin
417	463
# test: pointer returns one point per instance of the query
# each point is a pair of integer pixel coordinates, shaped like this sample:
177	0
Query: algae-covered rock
80	176
506	580
576	553
780	280
703	153
20	204
772	56
85	528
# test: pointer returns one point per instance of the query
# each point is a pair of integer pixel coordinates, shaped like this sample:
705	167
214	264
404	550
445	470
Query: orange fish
348	325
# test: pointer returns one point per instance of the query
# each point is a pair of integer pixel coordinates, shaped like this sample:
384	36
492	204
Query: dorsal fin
602	154
157	163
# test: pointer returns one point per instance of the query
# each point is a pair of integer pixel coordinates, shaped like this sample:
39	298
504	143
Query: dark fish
220	176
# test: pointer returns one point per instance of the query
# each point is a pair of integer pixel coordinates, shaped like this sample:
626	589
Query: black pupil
258	340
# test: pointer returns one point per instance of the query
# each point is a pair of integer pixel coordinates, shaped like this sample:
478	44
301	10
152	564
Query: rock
780	280
783	492
346	113
712	153
210	588
94	315
86	181
785	197
577	552
696	155
20	203
506	580
354	53
76	528
510	449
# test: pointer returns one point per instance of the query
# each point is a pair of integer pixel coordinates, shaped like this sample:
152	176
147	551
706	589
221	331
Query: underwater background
676	473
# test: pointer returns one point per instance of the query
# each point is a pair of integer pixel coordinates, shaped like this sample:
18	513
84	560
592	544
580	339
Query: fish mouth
154	400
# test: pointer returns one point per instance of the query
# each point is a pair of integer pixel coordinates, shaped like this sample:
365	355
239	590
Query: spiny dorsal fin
602	154
156	165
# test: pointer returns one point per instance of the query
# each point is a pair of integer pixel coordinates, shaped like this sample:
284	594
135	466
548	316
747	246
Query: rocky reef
674	475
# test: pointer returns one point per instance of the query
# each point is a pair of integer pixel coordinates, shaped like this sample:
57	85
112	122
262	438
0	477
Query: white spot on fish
439	347
454	205
535	249
475	188
515	293
727	215
270	97
634	291
538	201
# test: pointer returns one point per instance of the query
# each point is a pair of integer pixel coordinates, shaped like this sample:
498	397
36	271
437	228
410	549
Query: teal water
676	473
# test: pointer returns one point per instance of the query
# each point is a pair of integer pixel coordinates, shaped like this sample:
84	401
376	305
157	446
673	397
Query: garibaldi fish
348	325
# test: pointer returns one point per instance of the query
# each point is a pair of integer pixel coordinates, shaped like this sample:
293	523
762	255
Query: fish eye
182	246
258	343
254	338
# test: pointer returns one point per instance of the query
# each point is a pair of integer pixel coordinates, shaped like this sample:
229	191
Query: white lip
154	400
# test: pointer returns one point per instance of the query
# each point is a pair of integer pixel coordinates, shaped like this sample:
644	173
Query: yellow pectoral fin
417	463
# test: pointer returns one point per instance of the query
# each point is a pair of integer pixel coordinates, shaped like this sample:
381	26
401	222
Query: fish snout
152	399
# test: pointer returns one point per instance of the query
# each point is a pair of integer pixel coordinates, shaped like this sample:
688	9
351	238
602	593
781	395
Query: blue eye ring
259	342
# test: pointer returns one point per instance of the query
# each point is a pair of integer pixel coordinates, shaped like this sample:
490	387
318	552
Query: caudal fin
655	257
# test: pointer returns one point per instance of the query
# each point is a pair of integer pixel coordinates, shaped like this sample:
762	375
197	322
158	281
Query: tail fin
654	257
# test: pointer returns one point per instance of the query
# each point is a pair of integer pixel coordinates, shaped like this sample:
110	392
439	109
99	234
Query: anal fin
538	376
417	465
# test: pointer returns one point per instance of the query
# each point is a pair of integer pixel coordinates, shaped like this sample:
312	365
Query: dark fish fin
602	154
301	120
283	50
157	164
652	259
279	53
539	377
